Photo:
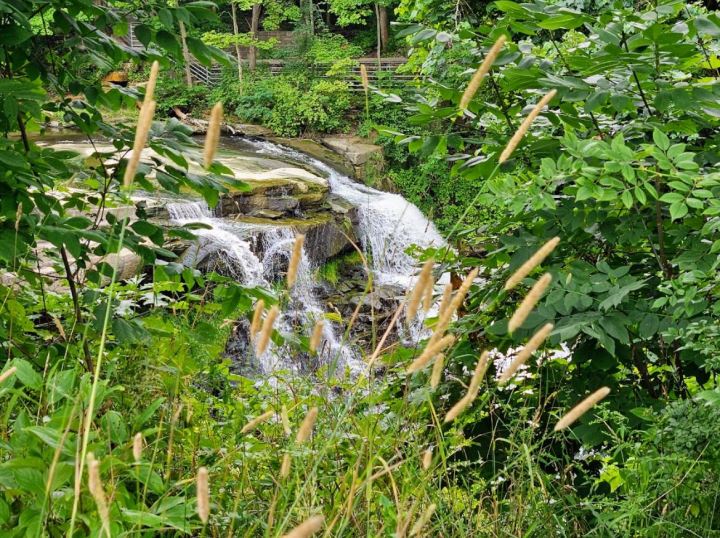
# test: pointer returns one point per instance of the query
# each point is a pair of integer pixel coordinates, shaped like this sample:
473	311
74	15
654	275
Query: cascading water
230	242
221	237
389	224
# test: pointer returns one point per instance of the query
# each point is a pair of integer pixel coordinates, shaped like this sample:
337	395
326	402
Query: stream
255	251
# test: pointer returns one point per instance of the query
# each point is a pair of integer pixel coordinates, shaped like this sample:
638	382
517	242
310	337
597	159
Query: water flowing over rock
249	237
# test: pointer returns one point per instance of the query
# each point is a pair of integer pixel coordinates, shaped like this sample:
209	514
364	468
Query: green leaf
678	210
27	374
661	139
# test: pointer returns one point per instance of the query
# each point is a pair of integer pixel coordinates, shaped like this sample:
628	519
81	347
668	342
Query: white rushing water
389	224
230	243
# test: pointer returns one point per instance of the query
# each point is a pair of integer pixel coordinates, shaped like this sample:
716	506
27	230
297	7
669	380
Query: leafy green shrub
174	93
284	104
330	48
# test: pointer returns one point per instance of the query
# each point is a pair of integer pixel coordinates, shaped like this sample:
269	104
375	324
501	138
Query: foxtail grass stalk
527	305
420	523
481	73
267	329
285	419
18	217
473	389
446	298
98	492
478	375
285	466
455	303
316	337
137	447
581	408
307	528
257	318
7	373
526	352
427	459
306	427
364	79
432	349
437	371
212	137
418	292
254	423
295	260
152	82
536	259
525	126
141	133
203	495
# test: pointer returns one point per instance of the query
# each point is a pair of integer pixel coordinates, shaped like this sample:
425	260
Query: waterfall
231	243
389	224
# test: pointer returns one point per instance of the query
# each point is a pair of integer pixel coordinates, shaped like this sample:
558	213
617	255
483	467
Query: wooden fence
381	72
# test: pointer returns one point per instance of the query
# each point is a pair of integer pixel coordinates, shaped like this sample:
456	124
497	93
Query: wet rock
365	159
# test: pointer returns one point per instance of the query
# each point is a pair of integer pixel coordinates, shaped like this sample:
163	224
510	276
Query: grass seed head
254	423
525	126
285	421
526	352
316	337
478	375
141	133
212	137
432	349
266	331
536	259
295	260
581	408
203	494
285	466
457	409
307	528
437	371
424	281
7	373
257	318
137	447
98	492
423	520
306	427
364	79
481	72
427	459
527	305
152	82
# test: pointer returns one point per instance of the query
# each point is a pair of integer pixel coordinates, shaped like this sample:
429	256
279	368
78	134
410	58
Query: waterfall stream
388	226
231	243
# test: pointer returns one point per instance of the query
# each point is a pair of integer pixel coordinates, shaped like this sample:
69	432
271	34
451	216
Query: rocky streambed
355	232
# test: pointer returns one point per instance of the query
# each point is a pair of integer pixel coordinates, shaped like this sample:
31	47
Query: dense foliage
622	166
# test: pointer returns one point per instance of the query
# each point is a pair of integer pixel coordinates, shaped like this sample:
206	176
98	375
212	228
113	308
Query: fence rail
381	71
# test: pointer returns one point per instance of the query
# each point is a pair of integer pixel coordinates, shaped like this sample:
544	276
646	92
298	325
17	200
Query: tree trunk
236	32
186	54
254	24
379	42
383	26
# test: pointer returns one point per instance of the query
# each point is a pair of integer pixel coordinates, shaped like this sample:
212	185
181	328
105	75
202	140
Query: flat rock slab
355	149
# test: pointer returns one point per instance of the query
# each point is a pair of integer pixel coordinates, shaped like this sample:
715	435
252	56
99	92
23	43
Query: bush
174	93
284	105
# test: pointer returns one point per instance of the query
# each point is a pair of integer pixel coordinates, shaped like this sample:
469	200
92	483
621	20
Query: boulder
365	159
